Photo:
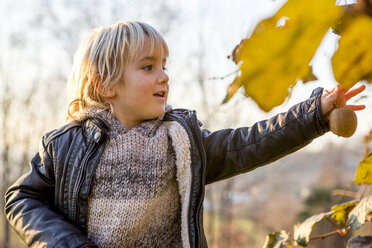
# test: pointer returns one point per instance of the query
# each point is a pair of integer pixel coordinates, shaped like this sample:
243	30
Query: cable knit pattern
134	200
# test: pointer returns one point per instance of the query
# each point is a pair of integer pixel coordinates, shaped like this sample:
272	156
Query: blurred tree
38	39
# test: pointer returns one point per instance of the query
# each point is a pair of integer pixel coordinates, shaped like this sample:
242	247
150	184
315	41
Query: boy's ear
108	92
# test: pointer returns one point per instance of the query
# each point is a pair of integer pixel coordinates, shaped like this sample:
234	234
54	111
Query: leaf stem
324	235
343	231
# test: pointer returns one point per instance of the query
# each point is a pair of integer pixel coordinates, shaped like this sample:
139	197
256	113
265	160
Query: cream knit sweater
134	199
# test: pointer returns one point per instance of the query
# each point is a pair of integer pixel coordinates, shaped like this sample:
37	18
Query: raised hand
336	98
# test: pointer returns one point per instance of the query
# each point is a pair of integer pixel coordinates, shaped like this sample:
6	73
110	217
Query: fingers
333	91
338	88
337	98
351	93
330	92
357	107
354	92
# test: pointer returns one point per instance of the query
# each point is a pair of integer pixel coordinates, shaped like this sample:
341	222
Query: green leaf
341	212
357	217
275	57
302	231
364	171
276	240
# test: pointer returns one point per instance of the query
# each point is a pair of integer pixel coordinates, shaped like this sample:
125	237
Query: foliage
364	171
357	216
344	218
352	61
341	212
356	213
303	230
277	240
276	55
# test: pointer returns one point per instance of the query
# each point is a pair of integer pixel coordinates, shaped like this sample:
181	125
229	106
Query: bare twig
343	192
323	236
225	76
342	231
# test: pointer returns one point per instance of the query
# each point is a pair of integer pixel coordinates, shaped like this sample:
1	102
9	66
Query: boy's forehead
151	51
152	57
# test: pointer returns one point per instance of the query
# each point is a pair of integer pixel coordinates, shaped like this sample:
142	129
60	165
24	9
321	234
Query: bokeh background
38	39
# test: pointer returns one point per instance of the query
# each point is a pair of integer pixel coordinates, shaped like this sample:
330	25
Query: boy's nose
163	79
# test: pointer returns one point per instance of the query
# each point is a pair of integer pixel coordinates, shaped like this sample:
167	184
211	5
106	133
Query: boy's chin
158	114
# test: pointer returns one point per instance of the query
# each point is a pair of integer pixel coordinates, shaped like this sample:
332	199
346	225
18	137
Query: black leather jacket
48	206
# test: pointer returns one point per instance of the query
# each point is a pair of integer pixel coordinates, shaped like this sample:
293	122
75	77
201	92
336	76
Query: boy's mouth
161	93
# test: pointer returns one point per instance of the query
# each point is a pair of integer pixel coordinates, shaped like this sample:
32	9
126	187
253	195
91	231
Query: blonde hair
100	60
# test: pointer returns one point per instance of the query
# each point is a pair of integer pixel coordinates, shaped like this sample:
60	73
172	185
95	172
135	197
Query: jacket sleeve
233	151
28	208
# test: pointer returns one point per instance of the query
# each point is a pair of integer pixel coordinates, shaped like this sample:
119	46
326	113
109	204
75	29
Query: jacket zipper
80	183
197	138
184	124
202	153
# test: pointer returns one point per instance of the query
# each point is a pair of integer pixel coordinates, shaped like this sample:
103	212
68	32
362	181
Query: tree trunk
212	216
5	108
5	174
226	214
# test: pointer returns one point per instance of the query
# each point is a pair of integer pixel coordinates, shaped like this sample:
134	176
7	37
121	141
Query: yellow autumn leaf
364	171
274	57
341	212
352	62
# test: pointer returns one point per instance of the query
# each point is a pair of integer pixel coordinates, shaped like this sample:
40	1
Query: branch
323	236
343	192
343	231
223	77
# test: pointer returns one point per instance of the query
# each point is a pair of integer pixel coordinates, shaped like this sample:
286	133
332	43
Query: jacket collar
95	129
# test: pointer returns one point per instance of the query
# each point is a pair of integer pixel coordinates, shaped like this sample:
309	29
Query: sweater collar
147	128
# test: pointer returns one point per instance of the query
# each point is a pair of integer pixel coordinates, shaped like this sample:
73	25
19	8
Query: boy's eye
147	67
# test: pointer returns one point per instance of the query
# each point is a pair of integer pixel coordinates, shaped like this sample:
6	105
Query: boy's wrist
325	107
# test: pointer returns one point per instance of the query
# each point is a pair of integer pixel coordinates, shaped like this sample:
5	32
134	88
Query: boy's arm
230	152
28	209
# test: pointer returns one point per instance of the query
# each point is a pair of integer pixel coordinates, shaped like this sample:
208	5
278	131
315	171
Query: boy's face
143	93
